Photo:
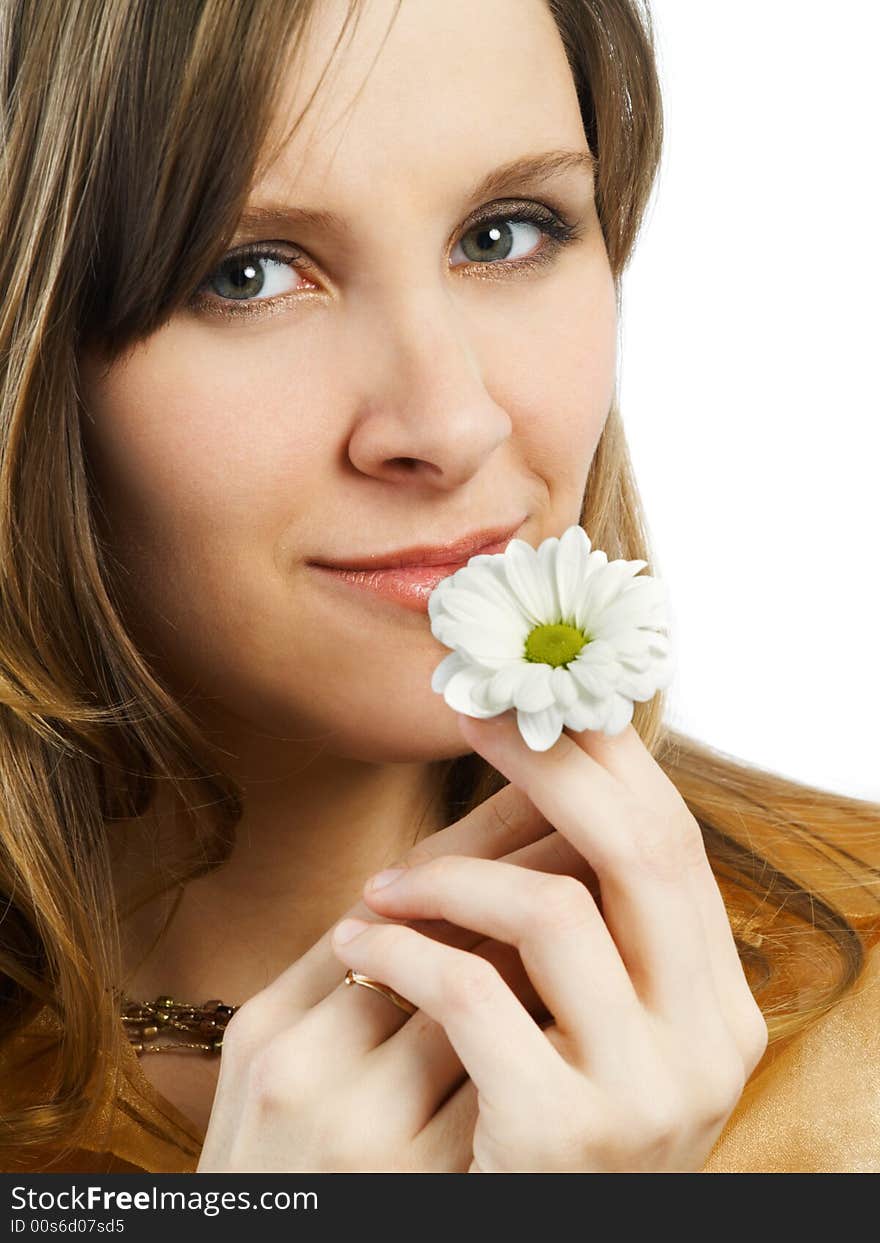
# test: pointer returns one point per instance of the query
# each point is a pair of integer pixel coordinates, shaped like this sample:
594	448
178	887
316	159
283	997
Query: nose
428	415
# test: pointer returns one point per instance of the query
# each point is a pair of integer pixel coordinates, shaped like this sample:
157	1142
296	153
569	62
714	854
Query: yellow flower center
555	644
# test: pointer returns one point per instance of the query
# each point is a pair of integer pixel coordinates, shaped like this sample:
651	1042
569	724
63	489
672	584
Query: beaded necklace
145	1020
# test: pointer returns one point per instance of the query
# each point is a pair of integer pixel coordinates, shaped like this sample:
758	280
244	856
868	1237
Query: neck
303	848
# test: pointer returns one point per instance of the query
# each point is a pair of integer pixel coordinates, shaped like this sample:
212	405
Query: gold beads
174	1019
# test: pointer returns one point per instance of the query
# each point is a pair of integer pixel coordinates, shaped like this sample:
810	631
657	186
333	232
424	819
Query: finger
551	854
367	1019
554	853
563	942
630	761
626	757
417	1067
505	958
643	857
469	999
451	1128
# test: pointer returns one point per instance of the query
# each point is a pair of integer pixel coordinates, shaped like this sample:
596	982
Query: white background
748	383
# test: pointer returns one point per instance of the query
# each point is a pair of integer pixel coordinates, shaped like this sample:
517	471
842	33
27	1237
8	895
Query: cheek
199	482
562	381
202	499
203	483
187	454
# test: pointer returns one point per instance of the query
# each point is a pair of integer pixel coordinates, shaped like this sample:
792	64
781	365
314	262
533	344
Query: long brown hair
117	198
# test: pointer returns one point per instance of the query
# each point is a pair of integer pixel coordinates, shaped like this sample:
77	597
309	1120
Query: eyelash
558	230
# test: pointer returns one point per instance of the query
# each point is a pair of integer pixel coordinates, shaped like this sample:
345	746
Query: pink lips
408	585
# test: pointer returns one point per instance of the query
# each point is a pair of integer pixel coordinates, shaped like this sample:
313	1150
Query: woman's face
411	380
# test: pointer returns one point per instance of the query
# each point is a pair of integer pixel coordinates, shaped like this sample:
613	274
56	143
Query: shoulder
813	1107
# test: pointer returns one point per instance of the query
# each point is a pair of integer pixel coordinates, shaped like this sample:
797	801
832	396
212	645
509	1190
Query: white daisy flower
561	634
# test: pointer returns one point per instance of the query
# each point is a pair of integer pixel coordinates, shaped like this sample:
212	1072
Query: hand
656	1031
301	1087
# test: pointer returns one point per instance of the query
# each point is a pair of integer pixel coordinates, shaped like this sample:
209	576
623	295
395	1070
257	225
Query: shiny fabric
811	1106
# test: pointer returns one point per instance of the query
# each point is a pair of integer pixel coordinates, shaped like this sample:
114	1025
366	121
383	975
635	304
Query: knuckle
442	869
660	1120
721	1099
662	848
622	854
245	1029
692	845
420	855
387	938
502	810
432	865
273	1079
560	903
468	981
511	813
758	1037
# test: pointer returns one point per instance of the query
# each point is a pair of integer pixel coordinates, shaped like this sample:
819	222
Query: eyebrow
532	169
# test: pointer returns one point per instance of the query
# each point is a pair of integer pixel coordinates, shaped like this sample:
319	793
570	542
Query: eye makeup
557	228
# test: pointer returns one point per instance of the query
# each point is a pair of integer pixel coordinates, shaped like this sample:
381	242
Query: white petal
469	605
598	652
639	686
485	574
608	585
576	538
565	689
572	568
437	596
448	666
596	562
458	693
642	602
547	552
540	730
535	691
441	626
493	647
634	644
472	609
619	715
505	683
595	677
527	581
480	693
664	672
588	713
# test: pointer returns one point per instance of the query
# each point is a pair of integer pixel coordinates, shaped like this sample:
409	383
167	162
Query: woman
307	283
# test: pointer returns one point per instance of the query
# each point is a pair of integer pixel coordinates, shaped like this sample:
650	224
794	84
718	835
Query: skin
495	391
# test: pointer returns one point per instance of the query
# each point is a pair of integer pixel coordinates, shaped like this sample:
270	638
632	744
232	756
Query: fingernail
381	879
348	929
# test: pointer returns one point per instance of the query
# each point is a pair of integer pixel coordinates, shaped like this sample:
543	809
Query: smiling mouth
406	585
454	552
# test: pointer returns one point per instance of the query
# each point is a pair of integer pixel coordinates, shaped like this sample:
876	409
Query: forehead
428	101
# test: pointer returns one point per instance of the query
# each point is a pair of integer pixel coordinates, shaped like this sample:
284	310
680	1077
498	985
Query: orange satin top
812	1104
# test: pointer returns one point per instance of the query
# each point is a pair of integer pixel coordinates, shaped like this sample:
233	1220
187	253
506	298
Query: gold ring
355	977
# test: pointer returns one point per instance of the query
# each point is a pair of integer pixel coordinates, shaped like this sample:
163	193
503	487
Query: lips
454	553
406	585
